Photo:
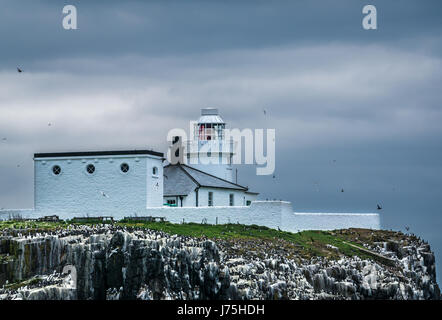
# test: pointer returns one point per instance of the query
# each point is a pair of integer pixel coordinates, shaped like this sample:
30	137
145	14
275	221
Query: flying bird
104	195
19	70
407	228
379	207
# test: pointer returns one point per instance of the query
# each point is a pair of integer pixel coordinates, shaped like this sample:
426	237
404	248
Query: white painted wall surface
250	197
266	213
190	200
299	221
217	164
272	214
155	186
222	171
220	197
74	190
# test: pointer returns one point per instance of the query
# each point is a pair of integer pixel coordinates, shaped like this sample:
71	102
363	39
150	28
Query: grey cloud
135	69
31	30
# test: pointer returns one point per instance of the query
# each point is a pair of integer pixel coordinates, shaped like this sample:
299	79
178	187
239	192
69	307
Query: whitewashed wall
221	198
299	221
272	214
266	213
76	190
250	196
190	200
154	197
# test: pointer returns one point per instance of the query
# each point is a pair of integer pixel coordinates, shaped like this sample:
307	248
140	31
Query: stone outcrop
120	263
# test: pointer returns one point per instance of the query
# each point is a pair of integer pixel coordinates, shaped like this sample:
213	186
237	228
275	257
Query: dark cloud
133	70
159	28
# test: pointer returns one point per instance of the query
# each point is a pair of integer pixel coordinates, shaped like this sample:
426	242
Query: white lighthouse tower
208	150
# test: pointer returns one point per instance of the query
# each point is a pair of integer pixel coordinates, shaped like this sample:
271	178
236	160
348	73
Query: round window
124	167
56	170
90	168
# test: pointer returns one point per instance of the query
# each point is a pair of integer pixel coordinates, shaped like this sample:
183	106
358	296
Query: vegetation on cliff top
305	244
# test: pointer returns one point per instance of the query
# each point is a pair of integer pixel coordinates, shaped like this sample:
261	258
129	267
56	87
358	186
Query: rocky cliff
128	263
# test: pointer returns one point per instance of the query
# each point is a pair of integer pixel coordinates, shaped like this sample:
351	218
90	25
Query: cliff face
117	263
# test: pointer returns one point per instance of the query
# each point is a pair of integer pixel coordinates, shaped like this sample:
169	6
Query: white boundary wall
299	221
273	214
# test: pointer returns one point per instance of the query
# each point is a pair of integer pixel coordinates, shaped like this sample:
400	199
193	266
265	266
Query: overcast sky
371	100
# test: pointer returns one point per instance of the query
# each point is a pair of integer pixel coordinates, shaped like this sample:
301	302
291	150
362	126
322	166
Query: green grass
207	230
29	225
305	244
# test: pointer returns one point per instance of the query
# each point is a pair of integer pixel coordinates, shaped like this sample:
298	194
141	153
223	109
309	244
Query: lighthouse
208	150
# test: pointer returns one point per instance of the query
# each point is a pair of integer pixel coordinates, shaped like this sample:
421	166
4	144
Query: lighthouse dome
210	115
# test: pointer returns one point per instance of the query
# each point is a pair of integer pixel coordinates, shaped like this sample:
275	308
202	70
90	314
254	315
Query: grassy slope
304	244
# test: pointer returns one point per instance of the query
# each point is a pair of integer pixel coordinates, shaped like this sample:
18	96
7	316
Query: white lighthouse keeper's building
102	182
135	182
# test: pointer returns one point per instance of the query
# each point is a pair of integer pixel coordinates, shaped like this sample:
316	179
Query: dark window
124	167
56	170
231	199
248	202
171	202
90	168
210	202
155	171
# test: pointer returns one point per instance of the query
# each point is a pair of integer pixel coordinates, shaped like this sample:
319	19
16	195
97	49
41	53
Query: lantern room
210	126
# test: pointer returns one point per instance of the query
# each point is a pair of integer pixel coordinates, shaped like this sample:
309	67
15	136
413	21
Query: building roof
177	182
180	180
98	153
210	115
